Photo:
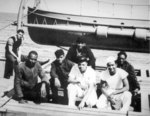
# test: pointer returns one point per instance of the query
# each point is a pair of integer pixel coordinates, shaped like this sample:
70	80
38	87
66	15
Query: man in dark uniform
12	53
81	49
134	86
26	81
60	69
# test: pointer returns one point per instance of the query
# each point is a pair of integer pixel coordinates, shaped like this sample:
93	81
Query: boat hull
66	38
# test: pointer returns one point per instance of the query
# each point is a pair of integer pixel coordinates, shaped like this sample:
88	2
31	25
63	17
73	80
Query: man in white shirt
82	81
116	79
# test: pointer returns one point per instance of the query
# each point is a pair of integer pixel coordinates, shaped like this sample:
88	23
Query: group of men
75	73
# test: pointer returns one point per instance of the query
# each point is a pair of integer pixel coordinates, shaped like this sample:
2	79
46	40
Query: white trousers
125	97
75	91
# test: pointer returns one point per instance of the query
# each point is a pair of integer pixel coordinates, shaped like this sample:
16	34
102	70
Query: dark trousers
56	98
11	64
34	94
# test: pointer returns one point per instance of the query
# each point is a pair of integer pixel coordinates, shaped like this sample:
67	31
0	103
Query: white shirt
114	81
87	78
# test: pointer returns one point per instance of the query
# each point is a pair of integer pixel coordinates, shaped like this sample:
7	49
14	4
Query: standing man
81	49
134	86
60	69
13	54
82	81
116	79
26	81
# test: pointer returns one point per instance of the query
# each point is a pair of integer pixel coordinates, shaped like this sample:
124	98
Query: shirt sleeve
42	74
92	74
123	74
17	82
10	42
73	72
53	71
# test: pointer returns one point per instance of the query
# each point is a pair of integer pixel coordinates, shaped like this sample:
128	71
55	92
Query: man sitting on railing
134	86
60	69
116	79
82	81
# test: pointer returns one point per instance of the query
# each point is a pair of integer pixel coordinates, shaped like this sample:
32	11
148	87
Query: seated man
117	82
26	81
134	86
60	69
82	81
79	49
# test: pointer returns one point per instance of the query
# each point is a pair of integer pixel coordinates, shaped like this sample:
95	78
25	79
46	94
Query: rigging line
14	22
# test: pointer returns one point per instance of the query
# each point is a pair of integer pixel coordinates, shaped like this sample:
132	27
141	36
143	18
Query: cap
80	40
110	59
82	59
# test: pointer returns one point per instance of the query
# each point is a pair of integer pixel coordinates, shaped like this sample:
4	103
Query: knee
127	94
70	87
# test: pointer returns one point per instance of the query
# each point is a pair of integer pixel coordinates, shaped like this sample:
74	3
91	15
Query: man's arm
125	87
17	82
132	75
42	74
86	96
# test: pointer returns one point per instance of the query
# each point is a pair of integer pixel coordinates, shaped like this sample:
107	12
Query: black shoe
22	101
7	77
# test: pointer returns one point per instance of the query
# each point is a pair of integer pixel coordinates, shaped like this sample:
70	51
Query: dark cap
59	52
82	59
80	40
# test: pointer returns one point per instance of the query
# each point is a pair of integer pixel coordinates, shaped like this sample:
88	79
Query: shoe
22	101
7	77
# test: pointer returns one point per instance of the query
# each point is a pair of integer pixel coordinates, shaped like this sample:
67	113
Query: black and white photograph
74	57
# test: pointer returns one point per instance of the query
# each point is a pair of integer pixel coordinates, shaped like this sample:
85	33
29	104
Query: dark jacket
72	55
61	71
27	78
133	83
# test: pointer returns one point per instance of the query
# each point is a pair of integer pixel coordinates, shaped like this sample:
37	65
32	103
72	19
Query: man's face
32	59
111	68
20	35
80	45
61	58
82	66
121	59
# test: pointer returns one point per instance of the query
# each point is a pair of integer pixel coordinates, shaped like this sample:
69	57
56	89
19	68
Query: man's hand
81	105
43	90
18	60
136	91
57	82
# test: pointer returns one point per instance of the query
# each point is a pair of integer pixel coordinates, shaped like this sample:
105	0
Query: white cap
110	59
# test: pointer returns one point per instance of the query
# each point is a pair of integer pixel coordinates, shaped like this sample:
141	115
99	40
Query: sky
11	6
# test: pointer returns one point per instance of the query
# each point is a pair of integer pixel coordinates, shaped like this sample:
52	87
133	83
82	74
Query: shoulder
122	72
69	62
21	66
11	40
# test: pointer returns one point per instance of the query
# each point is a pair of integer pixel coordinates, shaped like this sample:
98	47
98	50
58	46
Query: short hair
32	52
59	52
82	58
80	40
122	53
20	30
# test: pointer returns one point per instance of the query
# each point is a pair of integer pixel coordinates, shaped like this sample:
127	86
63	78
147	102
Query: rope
13	22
